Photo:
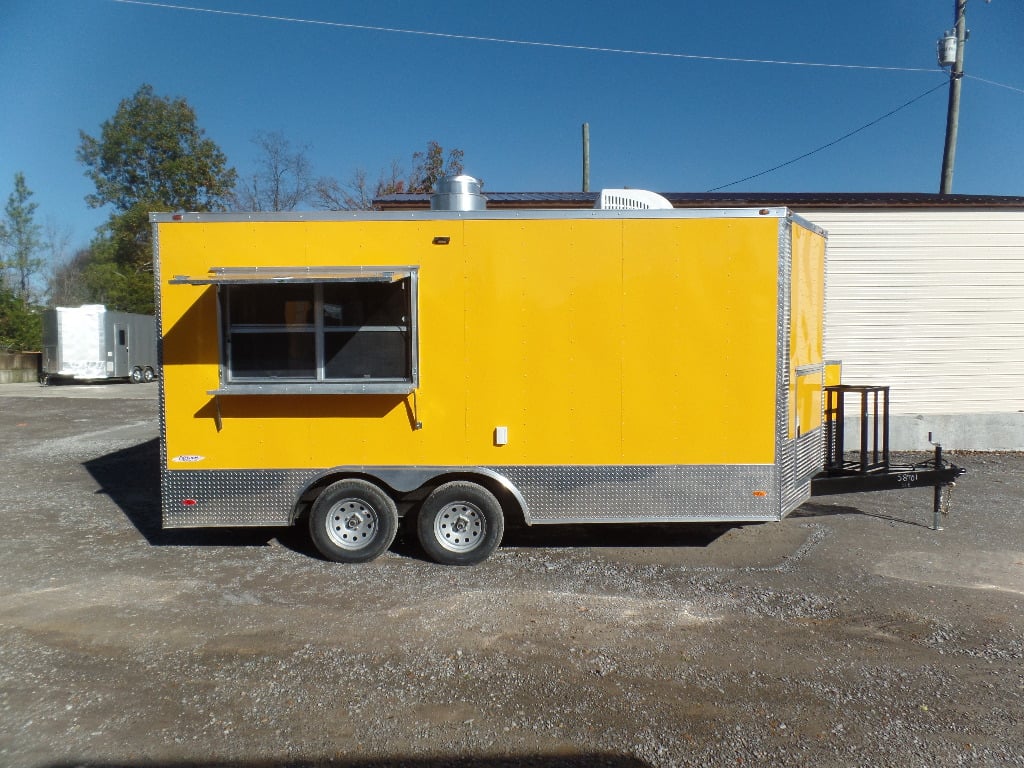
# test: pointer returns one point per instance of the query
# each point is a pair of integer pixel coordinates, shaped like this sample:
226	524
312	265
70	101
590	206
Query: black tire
353	521
148	374
135	377
460	523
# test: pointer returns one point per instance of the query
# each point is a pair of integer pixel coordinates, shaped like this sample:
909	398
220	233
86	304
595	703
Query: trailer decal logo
187	459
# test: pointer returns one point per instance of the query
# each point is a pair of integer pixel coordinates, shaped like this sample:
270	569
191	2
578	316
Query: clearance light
189	502
760	494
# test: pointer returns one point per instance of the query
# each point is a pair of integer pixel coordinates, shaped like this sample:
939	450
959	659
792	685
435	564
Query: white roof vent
631	200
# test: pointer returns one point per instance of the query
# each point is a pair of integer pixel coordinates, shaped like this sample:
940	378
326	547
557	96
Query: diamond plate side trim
559	494
646	493
210	498
810	452
803	459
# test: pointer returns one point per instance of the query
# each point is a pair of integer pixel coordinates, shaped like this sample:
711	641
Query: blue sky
361	98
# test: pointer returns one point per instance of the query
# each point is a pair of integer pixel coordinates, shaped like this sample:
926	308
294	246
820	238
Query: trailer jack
870	468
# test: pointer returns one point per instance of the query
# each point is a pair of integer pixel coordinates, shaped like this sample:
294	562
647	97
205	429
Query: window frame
225	278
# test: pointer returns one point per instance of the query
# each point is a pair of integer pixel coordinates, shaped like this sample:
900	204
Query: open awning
258	275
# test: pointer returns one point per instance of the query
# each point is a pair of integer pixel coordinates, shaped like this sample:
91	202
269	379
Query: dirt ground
849	634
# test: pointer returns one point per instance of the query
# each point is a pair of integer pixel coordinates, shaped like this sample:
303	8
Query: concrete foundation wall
955	432
19	367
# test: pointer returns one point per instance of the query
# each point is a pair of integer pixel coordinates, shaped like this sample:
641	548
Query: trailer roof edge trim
427	215
252	275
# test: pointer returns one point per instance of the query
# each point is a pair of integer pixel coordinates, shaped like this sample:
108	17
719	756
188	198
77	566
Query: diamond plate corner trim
783	456
161	397
563	494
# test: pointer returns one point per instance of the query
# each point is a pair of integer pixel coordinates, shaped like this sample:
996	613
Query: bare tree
283	179
69	284
56	242
357	195
428	167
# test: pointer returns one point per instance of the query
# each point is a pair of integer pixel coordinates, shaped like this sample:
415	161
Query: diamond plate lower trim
646	493
551	494
239	497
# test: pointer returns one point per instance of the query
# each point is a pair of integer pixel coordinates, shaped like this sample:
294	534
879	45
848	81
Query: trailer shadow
620	535
130	477
566	760
819	509
601	537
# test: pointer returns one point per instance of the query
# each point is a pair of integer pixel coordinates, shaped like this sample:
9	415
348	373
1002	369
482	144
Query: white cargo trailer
91	342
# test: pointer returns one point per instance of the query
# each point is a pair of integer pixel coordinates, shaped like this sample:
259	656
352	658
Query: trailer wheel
135	377
148	374
353	521
460	523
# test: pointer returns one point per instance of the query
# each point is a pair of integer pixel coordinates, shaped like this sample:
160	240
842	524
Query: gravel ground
847	635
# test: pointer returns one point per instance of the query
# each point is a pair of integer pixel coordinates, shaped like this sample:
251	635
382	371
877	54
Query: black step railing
872	455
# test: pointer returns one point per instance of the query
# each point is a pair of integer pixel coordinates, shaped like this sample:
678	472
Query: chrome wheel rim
352	524
459	526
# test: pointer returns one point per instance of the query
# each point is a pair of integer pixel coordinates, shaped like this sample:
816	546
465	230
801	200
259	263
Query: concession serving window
317	330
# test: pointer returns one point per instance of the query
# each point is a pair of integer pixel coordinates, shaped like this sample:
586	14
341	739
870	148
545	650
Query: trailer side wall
595	342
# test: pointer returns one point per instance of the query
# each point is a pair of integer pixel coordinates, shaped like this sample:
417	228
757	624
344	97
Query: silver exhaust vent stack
457	193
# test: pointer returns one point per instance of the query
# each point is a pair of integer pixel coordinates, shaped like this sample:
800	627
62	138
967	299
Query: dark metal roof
796	200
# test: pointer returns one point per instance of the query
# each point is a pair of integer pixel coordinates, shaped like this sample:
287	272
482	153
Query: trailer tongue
870	467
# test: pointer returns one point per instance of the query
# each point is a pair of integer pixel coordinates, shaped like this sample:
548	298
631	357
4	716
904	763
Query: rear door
121	365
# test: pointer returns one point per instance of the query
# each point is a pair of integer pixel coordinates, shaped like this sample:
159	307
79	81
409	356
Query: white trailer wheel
135	377
460	523
148	374
353	521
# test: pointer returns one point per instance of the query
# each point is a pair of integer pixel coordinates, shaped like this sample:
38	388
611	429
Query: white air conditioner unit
631	200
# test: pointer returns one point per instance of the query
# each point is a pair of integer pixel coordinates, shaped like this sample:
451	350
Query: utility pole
586	157
956	75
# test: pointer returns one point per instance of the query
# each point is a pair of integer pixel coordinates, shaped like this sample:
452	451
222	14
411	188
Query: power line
510	41
834	142
993	82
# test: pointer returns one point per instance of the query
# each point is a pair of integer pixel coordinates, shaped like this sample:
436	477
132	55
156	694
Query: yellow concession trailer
462	368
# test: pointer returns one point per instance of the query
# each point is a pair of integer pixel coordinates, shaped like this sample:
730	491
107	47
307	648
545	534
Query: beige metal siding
931	303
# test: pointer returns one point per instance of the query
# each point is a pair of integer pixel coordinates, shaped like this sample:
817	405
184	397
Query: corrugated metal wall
929	302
